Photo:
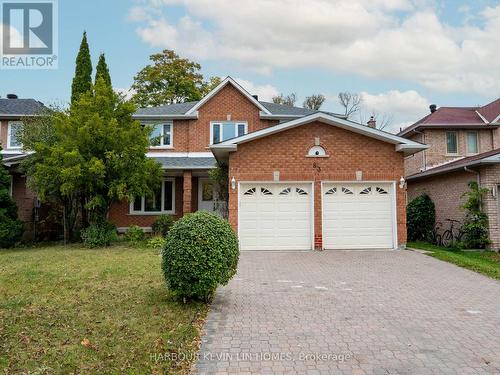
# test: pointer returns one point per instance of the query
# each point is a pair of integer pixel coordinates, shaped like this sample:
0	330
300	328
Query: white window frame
9	132
467	142
446	142
161	145
155	213
221	123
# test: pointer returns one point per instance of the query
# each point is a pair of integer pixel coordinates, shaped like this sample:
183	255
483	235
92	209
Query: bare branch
351	102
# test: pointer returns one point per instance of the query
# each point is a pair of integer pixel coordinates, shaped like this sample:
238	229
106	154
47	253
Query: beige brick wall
436	153
446	192
490	178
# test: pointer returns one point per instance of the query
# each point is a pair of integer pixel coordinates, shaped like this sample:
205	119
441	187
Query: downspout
466	169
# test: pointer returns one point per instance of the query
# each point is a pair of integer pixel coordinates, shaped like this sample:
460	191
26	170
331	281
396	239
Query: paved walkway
352	312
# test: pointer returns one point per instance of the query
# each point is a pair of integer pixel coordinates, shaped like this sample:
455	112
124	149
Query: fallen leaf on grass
88	344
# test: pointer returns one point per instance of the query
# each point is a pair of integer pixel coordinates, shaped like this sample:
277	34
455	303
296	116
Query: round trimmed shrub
420	218
99	235
162	225
200	253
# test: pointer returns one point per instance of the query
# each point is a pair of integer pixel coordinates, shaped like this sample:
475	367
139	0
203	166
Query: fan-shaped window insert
265	191
316	151
249	192
300	191
286	191
367	190
346	190
331	191
380	190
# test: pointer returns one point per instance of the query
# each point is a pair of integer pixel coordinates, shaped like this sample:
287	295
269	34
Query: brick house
12	110
298	178
464	145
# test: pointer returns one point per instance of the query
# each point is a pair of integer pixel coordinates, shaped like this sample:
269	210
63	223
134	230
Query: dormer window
222	131
12	136
161	136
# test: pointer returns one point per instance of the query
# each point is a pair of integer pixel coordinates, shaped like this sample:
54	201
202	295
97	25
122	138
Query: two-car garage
280	216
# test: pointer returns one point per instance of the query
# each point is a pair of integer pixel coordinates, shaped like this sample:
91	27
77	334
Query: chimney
11	96
256	97
433	108
372	123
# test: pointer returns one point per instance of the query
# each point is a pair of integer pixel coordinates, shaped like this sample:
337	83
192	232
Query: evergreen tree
11	229
82	82
102	70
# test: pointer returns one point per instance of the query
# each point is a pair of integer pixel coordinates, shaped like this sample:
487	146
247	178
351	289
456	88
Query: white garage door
275	216
357	216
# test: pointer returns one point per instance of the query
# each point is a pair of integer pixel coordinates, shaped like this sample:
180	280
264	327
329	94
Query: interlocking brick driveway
386	312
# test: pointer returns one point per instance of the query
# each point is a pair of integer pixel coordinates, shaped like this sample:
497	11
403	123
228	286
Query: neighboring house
12	110
464	145
298	178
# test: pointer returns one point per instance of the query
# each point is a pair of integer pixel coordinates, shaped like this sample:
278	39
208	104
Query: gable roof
401	144
228	80
188	110
466	117
491	111
20	107
488	157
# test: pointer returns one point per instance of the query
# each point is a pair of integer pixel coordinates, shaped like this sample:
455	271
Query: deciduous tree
170	79
288	100
314	101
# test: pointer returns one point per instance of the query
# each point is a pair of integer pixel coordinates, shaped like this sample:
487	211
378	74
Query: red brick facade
194	136
348	152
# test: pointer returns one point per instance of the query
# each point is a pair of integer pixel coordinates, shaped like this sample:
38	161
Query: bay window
222	131
161	202
161	136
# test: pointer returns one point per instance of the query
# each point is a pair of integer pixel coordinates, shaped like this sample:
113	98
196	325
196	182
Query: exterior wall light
402	182
233	183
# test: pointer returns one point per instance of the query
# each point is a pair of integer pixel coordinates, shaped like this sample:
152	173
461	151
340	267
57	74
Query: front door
206	195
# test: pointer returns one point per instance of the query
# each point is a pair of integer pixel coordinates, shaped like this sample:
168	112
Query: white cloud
386	39
126	93
402	107
265	92
16	39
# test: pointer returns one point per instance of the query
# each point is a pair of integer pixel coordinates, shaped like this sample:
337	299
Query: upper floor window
472	143
451	143
222	131
161	135
13	132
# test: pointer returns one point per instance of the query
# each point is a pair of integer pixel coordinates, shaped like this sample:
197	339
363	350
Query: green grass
485	262
53	298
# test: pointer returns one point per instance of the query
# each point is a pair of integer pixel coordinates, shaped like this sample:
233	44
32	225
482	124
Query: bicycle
452	234
434	236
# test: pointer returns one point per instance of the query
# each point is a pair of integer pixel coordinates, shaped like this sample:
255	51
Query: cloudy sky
400	55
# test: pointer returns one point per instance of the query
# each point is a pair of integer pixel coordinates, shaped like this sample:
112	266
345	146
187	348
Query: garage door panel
357	216
280	212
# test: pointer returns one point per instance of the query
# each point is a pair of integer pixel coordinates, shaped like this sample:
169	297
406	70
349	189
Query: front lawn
73	310
485	262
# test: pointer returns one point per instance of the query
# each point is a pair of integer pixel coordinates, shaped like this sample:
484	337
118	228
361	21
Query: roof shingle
24	107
